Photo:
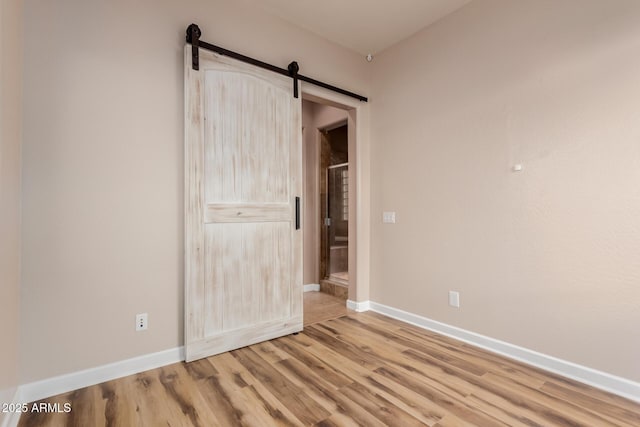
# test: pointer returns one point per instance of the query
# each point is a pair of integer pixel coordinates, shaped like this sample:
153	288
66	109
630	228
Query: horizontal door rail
193	38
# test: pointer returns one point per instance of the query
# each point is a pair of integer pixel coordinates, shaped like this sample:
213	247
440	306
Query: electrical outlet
454	299
142	321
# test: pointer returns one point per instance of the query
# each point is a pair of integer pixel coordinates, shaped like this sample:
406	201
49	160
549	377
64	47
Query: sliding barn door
243	265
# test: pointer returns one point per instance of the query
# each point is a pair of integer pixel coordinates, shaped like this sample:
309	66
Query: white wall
103	166
10	140
546	258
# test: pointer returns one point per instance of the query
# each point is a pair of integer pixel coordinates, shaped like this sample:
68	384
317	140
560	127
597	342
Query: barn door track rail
193	38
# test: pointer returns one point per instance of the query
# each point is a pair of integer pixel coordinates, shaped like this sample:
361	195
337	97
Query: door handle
297	213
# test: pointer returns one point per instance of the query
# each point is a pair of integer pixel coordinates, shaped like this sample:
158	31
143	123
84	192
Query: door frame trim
359	189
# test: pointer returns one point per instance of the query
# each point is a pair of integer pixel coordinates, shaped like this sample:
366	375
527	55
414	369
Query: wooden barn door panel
243	272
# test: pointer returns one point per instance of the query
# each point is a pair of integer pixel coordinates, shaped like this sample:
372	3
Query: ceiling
364	26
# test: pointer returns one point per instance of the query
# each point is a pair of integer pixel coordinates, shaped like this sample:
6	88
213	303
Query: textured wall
546	258
103	166
10	139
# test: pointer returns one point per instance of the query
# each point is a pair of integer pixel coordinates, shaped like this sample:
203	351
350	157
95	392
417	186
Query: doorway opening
334	195
329	220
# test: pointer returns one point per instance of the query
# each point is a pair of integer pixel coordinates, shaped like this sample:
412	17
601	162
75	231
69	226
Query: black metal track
193	38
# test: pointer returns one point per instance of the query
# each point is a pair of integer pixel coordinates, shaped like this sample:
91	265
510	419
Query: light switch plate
389	217
454	299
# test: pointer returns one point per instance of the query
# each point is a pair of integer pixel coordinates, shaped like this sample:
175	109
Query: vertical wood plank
194	210
214	280
295	159
234	307
249	130
277	291
250	263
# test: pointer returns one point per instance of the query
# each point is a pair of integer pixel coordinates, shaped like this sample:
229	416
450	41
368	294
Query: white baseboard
358	306
312	287
602	380
12	396
69	382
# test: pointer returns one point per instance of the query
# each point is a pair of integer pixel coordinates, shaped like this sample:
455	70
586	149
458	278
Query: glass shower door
338	222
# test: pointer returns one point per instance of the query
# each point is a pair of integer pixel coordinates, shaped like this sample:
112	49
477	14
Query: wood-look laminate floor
360	369
319	306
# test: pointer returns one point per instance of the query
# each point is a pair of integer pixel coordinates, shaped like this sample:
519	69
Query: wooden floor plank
392	354
404	398
88	407
345	369
378	406
312	362
325	394
319	306
146	396
346	349
225	402
616	413
428	342
296	399
541	402
181	389
277	413
446	401
231	374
